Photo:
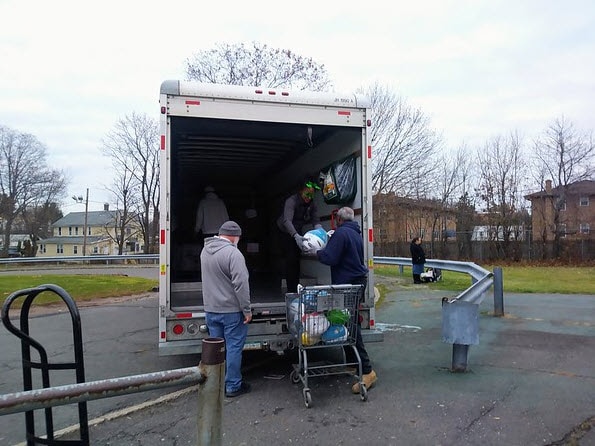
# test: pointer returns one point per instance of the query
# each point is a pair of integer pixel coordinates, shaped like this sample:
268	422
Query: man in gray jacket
226	295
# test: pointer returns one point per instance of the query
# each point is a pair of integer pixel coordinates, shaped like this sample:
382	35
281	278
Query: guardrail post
460	354
211	394
460	327
498	292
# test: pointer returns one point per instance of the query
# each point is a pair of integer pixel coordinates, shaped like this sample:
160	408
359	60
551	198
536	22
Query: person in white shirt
211	214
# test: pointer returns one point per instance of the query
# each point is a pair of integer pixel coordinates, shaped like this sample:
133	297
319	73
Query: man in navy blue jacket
344	253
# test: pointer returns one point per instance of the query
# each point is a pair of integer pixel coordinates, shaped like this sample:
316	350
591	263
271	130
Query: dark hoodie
344	253
225	287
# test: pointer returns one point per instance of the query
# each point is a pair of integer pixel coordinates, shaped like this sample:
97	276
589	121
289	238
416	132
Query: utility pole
79	199
85	227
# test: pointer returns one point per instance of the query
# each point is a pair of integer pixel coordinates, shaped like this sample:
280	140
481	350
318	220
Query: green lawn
517	279
79	286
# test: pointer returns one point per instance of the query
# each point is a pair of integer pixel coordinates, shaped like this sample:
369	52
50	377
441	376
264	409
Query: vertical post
85	226
459	357
498	292
211	393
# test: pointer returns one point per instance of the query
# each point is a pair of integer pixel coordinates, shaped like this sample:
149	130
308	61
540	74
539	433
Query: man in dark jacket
344	253
226	295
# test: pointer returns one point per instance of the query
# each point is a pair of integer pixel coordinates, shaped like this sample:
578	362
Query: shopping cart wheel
307	398
294	376
363	393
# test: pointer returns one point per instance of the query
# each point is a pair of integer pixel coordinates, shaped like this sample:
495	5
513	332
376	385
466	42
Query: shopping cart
324	317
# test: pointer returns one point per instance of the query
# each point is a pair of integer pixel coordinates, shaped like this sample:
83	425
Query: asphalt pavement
530	381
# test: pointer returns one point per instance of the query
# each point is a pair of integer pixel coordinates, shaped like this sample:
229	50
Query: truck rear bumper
194	346
372	336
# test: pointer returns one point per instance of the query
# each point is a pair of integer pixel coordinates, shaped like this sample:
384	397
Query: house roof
585	187
94	218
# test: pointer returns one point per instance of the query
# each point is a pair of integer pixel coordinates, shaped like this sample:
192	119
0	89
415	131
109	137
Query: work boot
368	380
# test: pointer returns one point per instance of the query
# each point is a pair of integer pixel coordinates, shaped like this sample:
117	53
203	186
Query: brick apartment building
576	217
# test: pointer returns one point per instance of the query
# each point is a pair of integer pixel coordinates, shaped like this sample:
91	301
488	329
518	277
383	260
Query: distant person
344	253
226	295
211	214
299	210
418	259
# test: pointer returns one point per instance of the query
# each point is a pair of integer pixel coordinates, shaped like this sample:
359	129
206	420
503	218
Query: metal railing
481	278
460	314
104	259
208	374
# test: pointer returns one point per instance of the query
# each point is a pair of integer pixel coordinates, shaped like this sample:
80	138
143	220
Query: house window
562	229
60	231
583	201
75	249
76	231
128	231
95	250
70	230
41	249
59	249
88	230
585	228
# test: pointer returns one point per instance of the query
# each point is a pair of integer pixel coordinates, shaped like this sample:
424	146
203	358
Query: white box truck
253	146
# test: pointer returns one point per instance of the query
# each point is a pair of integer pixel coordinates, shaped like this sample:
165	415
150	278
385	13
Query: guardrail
460	315
481	278
107	259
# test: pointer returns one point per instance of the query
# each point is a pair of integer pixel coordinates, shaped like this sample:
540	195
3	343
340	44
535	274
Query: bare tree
123	189
450	182
133	147
257	65
25	179
37	219
502	169
403	145
564	155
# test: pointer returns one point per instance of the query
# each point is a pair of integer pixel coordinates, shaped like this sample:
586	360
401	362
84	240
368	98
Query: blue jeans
231	327
418	268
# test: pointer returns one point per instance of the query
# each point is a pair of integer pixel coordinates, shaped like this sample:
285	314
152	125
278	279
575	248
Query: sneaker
368	381
244	388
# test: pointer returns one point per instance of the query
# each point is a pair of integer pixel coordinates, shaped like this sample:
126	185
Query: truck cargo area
253	166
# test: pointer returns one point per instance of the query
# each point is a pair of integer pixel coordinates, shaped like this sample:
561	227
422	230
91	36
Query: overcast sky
69	69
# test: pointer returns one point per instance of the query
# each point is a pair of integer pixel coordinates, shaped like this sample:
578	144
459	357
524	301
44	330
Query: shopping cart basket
324	317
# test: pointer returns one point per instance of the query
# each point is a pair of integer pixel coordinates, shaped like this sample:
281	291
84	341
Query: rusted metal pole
211	394
94	390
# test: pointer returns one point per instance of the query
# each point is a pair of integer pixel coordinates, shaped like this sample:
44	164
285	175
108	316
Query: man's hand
299	241
247	318
311	252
